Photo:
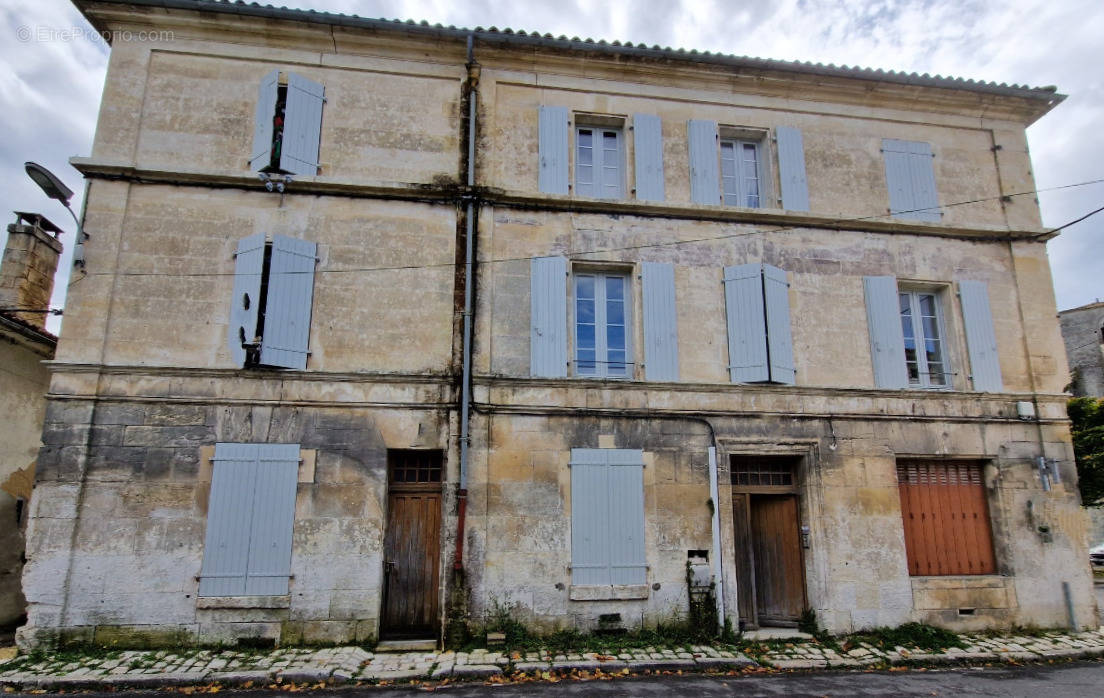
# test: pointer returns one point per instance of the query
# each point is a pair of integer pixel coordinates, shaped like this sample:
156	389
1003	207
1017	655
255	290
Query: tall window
601	325
599	169
922	326
741	173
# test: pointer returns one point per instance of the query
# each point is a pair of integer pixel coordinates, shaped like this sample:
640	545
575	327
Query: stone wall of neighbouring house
1083	334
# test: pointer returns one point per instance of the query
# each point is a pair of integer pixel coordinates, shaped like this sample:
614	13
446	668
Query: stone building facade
689	289
1083	334
26	281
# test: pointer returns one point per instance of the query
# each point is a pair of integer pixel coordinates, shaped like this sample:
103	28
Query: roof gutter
508	38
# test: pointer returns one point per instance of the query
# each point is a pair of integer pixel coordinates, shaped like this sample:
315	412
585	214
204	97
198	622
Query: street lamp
56	189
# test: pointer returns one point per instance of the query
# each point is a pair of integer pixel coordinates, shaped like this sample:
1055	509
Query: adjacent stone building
1083	334
387	326
26	282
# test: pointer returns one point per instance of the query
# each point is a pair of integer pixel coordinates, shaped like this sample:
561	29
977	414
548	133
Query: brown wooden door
745	563
776	549
411	564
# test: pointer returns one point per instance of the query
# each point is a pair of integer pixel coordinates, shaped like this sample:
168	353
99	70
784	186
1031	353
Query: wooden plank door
411	571
776	547
745	562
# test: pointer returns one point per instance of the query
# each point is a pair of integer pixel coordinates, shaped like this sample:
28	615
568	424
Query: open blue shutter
552	145
791	169
229	513
747	329
660	322
776	298
628	560
548	307
648	148
590	554
263	115
705	187
288	308
910	177
887	341
246	297
981	339
302	125
273	517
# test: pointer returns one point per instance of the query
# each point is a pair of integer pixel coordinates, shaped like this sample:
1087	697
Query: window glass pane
615	338
615	312
584	286
927	304
585	336
585	364
584	310
615	287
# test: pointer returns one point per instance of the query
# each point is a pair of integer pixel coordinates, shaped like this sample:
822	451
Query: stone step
776	634
407	646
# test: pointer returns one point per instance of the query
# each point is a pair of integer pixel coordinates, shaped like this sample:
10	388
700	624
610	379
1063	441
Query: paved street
1079	679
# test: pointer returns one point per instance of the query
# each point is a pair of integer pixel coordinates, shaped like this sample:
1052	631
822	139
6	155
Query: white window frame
601	160
601	362
923	379
740	177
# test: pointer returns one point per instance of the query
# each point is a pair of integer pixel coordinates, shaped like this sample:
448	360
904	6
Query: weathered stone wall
23	384
1083	334
120	518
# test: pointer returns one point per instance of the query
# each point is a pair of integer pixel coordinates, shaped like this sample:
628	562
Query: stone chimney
27	269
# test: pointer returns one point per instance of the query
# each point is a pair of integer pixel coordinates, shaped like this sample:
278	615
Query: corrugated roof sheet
507	35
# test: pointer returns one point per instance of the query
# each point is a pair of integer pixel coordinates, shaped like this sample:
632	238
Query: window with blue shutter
250	514
661	361
270	309
287	125
599	162
704	174
791	169
887	342
757	306
603	346
648	152
908	339
910	177
607	517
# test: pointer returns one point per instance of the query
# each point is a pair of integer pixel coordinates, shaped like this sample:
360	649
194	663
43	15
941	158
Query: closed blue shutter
981	339
552	145
302	125
628	560
246	297
747	329
648	147
548	308
262	121
791	169
910	177
660	322
288	306
776	298
887	341
705	185
607	517
273	519
250	513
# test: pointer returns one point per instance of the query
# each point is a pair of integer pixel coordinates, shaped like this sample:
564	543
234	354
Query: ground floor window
946	518
607	517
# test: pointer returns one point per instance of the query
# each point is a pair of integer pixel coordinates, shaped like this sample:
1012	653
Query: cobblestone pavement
339	665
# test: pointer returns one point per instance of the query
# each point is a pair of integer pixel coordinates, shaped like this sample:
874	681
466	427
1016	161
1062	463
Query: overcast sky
51	76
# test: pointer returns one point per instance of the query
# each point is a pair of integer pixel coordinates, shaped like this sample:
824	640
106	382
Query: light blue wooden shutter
246	297
747	329
910	177
302	125
887	341
589	504
660	322
277	475
628	560
607	517
229	514
981	339
776	298
548	307
791	169
288	307
648	146
705	187
262	121
552	145
250	514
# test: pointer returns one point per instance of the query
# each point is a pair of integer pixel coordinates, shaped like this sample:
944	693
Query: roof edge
493	36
